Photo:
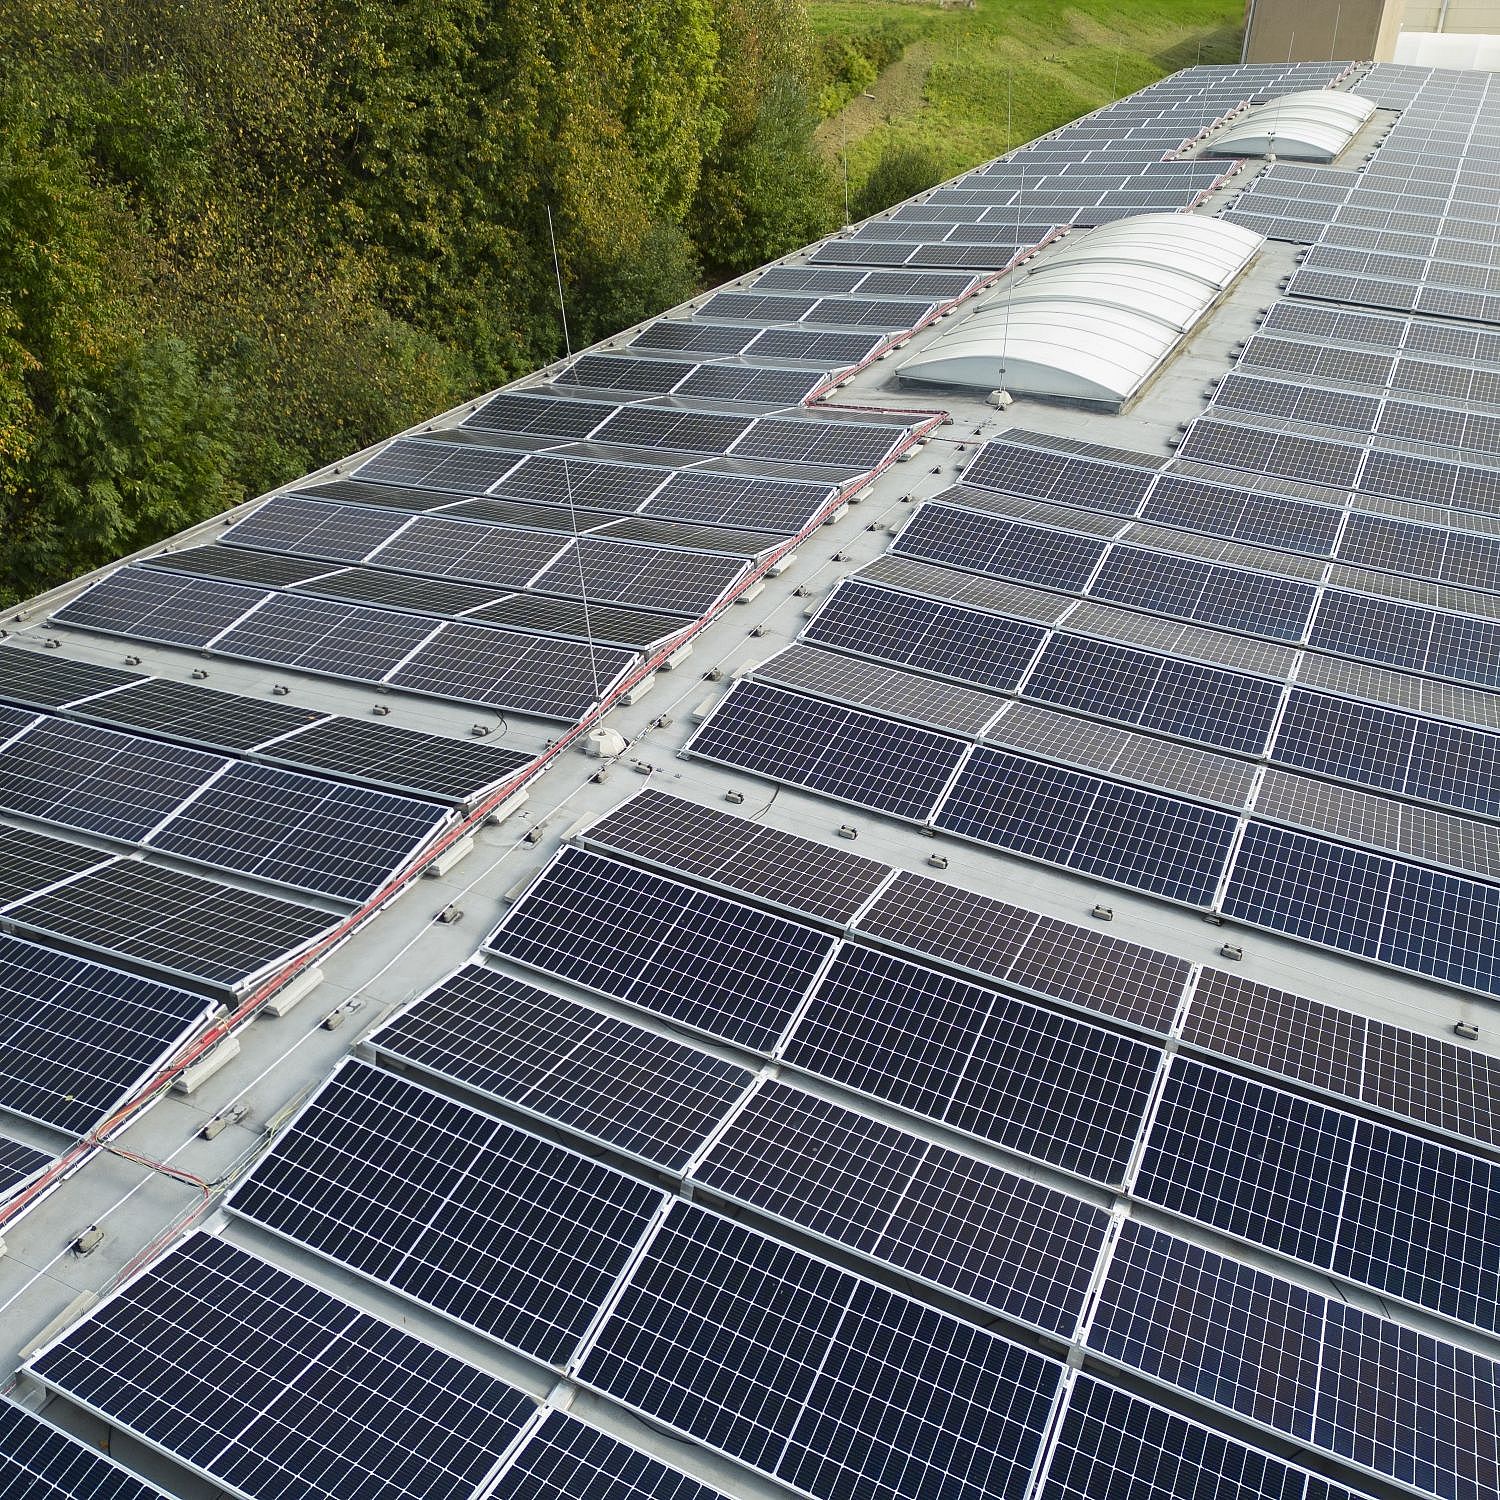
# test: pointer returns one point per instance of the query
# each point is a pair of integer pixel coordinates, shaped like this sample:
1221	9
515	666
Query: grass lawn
971	83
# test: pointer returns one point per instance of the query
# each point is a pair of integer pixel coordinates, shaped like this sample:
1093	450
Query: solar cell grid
770	386
856	446
665	578
673	428
999	548
842	752
430	596
547	614
702	337
570	484
75	1035
501	1231
309	528
551	1058
497	556
205	716
779	868
512	411
148	605
41	1462
836	350
1046	1085
264	1383
48	680
708	962
624	373
947	640
809	1374
936	1214
1122	834
238	565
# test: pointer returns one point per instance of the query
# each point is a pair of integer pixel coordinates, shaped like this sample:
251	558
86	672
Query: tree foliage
239	238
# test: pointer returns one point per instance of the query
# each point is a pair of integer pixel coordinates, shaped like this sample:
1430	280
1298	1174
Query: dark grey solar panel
1119	833
572	485
439	465
806	279
778	868
404	760
690	334
835	350
327	636
1024	950
29	862
309	528
733	541
770	386
999	548
903	695
302	831
217	936
513	411
505	669
237	565
437	597
830	1384
1240	446
76	1037
19	1163
597	1076
41	1462
653	578
622	372
938	1215
600	622
858	757
200	716
853	445
147	605
279	1388
779	505
497	556
49	680
673	428
698	958
116	785
558	515
356	492
1049	1086
498	1229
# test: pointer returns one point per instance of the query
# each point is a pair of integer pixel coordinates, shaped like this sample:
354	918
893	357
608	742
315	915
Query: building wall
1305	30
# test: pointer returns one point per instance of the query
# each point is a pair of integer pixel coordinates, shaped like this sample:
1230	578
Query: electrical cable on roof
583	590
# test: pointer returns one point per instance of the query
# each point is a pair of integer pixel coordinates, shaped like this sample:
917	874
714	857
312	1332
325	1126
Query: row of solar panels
691	1287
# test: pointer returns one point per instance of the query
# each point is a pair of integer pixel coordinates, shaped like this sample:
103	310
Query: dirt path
898	91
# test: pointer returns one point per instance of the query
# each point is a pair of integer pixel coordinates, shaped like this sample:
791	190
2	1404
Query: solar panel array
781	1163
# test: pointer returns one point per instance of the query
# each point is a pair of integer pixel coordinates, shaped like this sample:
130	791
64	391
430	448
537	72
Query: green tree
901	172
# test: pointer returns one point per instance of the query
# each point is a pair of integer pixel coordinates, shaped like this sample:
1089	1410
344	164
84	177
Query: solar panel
828	1383
942	1217
999	548
553	679
896	768
1122	834
147	605
438	464
856	446
41	1462
1113	1444
1049	1086
356	492
924	579
50	680
238	565
735	541
773	387
497	556
784	506
76	1036
1366	904
116	785
302	831
637	574
700	959
188	927
566	484
625	373
1406	635
275	1385
779	869
600	622
515	411
904	695
1206	704
1238	446
564	1460
673	428
602	1078
203	716
19	1164
502	1231
1244	514
691	334
835	350
327	636
944	639
394	591
29	862
407	760
309	528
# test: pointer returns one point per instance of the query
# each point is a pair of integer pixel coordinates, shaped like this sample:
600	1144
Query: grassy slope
1053	60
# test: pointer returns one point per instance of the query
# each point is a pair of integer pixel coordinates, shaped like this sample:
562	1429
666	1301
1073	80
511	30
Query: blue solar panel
1133	837
1046	1085
713	964
1211	705
1115	1446
1257	603
936	1214
1383	747
40	1462
503	1232
1406	635
948	640
816	1377
1401	914
842	752
1000	548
